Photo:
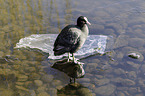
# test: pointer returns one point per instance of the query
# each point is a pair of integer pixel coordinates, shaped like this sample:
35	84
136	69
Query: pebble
135	55
43	94
105	90
47	78
121	41
84	92
22	77
38	83
100	82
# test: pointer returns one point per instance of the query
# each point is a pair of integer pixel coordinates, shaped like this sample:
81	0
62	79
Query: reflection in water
74	90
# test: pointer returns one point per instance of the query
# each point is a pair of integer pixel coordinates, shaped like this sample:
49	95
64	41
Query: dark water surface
27	72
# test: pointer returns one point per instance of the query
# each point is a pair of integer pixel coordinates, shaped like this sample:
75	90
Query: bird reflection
72	69
74	90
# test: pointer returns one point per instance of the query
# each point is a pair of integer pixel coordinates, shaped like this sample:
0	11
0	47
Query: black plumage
72	37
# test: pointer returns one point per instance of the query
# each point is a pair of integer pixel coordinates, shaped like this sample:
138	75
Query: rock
119	71
22	77
142	69
34	76
133	65
136	42
84	92
40	89
56	83
52	91
128	49
121	41
30	69
120	94
21	88
43	94
132	74
123	82
85	80
136	55
128	82
47	78
100	82
120	55
139	94
108	31
106	90
1	54
32	92
29	84
20	83
38	83
6	92
133	90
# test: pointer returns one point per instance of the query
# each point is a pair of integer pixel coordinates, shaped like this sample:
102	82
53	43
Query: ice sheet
44	42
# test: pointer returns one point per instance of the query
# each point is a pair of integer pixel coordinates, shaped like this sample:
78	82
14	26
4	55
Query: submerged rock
135	55
72	69
121	41
38	83
106	90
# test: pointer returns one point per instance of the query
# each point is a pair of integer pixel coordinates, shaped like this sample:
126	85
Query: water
27	72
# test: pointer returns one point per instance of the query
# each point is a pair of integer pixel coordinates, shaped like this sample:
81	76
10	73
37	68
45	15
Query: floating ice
44	42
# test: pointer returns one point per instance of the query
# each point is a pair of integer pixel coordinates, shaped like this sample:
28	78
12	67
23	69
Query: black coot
72	38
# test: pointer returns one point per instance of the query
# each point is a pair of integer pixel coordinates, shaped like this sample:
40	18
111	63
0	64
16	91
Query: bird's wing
67	38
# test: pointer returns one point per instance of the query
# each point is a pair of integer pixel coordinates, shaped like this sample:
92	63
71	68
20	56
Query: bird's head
82	20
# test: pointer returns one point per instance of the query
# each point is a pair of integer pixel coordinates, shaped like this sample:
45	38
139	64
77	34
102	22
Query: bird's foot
77	62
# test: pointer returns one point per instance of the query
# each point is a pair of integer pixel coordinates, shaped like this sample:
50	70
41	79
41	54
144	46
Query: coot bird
72	38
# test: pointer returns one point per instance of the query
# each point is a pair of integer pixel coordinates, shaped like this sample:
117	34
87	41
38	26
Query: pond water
28	72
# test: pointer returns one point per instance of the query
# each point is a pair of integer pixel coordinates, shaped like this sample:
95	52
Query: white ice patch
94	44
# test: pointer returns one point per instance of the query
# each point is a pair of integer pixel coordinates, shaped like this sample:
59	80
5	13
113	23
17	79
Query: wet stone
29	84
136	55
121	41
20	83
106	90
30	69
47	78
120	55
84	92
38	83
132	74
21	88
128	82
40	89
32	92
43	94
133	65
119	71
120	94
100	82
1	54
136	42
34	76
85	80
6	92
22	77
143	68
56	82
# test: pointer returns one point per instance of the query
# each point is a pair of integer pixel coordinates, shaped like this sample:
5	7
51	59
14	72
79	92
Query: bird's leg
73	57
74	80
68	57
70	80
